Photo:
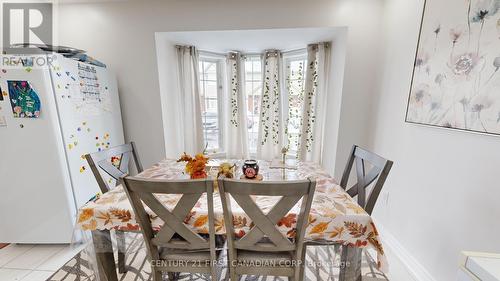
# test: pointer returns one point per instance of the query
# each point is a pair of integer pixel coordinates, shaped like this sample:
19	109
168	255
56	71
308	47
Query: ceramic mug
250	169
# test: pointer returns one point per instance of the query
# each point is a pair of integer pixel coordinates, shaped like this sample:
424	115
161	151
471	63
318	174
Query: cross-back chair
264	244
100	163
175	247
371	171
377	175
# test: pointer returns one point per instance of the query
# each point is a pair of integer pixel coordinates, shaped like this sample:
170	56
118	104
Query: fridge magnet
23	99
116	161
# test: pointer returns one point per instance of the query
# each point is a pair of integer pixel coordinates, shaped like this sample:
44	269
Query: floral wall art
456	79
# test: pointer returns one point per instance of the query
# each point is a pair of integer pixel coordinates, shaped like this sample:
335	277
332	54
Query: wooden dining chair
101	163
175	247
366	177
371	172
264	250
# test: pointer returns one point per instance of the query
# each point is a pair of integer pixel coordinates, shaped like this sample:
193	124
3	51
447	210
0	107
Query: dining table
335	217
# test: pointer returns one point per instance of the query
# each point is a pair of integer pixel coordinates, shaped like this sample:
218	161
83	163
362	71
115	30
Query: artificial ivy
310	111
270	97
234	91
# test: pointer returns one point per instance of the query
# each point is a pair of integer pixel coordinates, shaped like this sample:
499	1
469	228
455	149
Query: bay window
210	73
253	91
294	72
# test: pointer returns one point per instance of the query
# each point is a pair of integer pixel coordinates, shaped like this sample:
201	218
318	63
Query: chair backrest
265	225
101	161
377	175
141	191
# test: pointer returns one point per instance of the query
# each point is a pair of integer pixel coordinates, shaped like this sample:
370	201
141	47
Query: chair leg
157	276
234	276
301	270
120	242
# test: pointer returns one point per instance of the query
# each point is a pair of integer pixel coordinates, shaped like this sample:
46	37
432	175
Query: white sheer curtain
189	135
236	122
314	107
270	128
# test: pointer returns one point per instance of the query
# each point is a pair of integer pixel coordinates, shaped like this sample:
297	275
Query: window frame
288	57
252	57
220	62
220	68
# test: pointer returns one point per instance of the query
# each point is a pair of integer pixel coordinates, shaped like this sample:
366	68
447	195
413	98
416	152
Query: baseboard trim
415	268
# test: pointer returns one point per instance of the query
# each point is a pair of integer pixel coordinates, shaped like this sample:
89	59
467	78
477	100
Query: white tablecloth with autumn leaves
335	216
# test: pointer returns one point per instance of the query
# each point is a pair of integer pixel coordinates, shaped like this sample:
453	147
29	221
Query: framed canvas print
456	79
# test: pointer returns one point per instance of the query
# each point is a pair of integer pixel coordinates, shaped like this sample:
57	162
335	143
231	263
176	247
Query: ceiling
86	1
252	40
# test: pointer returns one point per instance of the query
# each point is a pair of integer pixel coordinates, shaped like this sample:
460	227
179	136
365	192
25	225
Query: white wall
443	189
122	35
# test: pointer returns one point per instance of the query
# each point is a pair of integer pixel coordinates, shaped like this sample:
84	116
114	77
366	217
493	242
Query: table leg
103	248
121	245
350	264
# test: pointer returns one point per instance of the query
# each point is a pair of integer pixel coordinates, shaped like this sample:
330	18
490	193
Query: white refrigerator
53	111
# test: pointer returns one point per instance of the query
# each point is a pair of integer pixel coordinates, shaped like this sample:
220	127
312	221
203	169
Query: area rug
79	268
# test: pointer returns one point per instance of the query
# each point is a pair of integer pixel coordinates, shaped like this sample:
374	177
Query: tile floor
23	262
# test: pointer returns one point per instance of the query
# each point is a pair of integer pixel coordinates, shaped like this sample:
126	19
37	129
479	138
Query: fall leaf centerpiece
195	166
226	170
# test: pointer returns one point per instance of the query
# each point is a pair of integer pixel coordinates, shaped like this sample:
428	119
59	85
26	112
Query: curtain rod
211	53
327	44
250	53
